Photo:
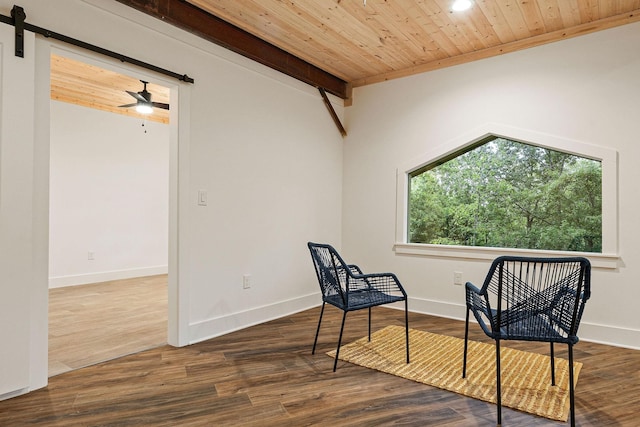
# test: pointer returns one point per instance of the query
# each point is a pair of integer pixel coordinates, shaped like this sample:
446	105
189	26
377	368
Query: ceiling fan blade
160	105
137	96
128	105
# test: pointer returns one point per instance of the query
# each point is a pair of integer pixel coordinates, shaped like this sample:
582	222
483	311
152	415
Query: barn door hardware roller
17	20
18	15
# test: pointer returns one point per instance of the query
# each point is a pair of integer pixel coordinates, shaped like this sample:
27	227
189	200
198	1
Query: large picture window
501	190
508	194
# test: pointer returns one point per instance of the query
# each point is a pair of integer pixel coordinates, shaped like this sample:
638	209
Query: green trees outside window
504	193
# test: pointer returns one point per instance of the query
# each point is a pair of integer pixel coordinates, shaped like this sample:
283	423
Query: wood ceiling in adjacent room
368	42
90	86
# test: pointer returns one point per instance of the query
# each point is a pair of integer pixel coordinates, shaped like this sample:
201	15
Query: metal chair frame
531	299
346	287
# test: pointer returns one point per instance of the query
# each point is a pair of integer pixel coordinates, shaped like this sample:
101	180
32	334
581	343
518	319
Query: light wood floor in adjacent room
89	324
266	376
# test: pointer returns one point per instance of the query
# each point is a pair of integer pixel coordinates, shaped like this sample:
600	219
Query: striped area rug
436	360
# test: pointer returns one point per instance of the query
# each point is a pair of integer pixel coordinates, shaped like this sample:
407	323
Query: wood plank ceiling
364	42
339	44
90	86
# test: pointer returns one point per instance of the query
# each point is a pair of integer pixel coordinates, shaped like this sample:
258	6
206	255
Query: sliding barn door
16	210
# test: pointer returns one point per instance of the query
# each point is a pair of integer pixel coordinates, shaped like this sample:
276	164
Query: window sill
598	260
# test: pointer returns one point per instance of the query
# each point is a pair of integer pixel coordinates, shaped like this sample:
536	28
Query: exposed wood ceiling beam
203	24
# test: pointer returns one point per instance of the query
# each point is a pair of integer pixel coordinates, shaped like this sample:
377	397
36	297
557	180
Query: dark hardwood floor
266	376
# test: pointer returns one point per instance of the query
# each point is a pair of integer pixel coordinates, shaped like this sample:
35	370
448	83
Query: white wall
584	89
261	144
109	195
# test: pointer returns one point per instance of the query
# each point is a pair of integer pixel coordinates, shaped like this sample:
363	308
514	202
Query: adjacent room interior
109	186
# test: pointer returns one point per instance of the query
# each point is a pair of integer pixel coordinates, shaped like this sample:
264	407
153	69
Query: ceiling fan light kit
144	108
143	103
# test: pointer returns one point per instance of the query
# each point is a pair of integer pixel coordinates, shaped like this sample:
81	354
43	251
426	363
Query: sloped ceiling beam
201	23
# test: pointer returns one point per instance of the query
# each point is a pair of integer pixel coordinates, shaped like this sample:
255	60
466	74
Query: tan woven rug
436	360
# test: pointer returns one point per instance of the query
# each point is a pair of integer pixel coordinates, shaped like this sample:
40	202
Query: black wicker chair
531	299
347	288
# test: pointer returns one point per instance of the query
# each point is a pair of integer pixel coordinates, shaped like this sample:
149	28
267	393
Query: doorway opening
109	214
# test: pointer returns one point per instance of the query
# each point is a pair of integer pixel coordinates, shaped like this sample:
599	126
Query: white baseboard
211	328
591	332
215	327
610	335
15	393
437	308
105	276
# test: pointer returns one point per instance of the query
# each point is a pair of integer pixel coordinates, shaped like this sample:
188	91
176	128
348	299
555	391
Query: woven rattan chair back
345	286
531	299
536	299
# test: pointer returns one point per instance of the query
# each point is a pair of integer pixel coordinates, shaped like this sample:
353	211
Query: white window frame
609	161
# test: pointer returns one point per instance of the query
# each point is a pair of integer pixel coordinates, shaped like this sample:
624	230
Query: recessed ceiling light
460	5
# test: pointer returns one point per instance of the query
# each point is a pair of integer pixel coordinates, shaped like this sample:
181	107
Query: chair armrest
473	288
347	272
383	282
475	298
354	269
478	302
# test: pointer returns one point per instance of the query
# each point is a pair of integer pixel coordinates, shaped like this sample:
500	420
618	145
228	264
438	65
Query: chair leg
553	366
498	393
406	325
466	338
572	404
369	323
318	330
335	362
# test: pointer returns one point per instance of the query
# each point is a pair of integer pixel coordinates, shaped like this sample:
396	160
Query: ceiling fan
143	103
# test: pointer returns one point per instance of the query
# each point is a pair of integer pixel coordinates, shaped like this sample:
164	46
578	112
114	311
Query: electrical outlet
90	256
246	281
457	278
